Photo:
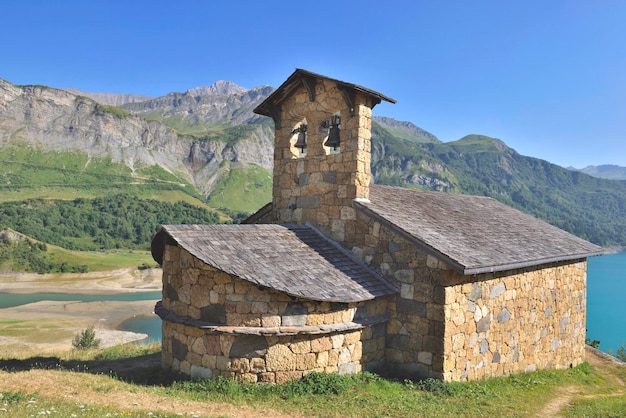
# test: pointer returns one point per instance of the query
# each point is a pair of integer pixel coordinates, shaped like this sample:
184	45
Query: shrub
86	339
317	383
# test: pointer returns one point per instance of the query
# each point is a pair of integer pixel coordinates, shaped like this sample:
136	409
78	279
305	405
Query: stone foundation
272	356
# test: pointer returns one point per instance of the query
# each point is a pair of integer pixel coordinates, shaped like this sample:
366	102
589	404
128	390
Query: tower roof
308	79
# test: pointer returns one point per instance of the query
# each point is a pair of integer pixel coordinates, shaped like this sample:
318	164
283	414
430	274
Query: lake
606	300
150	325
8	300
606	303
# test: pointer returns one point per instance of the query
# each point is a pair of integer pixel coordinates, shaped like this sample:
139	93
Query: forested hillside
590	207
117	221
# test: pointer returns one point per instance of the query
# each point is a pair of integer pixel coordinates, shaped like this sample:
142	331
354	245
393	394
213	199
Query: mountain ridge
199	139
56	120
605	171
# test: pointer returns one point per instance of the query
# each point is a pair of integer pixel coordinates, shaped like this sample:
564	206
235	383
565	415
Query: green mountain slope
26	172
244	188
111	222
592	208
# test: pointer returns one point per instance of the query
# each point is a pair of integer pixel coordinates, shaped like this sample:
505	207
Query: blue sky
546	77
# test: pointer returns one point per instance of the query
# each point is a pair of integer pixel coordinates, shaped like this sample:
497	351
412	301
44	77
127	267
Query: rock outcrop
57	120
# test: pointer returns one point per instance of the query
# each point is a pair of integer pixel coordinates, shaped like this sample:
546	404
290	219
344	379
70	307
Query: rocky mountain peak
220	87
112	99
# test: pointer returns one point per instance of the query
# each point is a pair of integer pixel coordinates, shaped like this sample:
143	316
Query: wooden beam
309	84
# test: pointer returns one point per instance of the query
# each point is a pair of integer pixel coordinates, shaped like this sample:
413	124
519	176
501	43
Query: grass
124	379
102	261
243	189
26	173
609	406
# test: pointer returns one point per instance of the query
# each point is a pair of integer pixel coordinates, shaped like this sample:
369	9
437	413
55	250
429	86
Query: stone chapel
337	274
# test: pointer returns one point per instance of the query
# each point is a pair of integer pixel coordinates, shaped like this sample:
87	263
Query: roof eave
458	267
530	263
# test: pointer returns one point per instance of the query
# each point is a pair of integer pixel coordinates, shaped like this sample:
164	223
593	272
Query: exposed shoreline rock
71	317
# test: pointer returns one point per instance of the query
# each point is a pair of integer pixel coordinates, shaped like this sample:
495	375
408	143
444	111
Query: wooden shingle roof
294	259
472	234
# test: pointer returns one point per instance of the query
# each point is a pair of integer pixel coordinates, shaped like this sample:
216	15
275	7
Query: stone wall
415	332
530	319
454	327
215	324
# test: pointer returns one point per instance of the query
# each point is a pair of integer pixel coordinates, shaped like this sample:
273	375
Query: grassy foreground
128	381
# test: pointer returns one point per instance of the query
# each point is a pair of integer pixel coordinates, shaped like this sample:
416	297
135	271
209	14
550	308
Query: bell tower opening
332	143
299	139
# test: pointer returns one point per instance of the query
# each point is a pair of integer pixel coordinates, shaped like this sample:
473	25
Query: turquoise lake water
606	300
8	300
606	303
150	325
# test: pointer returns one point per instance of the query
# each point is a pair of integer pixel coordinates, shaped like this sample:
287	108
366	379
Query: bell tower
322	150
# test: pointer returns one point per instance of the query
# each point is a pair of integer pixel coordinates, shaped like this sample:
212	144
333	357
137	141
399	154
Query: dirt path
600	362
562	398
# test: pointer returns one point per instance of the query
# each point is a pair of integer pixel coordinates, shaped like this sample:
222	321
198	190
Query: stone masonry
217	325
320	186
454	327
478	289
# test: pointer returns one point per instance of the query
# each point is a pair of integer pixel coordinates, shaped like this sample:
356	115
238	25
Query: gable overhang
157	246
454	264
271	106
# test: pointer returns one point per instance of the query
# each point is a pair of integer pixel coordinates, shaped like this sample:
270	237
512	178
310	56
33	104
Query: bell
333	135
301	142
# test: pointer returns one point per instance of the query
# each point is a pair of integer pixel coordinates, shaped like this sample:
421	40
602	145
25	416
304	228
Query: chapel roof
306	78
472	234
294	259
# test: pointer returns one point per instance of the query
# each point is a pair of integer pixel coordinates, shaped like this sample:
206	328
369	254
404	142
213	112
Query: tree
86	339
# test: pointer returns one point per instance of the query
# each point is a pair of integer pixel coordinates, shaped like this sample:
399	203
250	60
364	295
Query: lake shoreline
95	283
49	326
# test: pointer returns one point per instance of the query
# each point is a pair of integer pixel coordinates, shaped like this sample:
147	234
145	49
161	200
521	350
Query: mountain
53	121
203	109
405	130
607	171
589	207
220	87
111	99
206	146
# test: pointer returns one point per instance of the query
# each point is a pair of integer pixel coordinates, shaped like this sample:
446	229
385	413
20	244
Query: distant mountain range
208	145
607	171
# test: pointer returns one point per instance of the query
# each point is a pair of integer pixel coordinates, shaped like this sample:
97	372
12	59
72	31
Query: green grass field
243	189
135	385
103	261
